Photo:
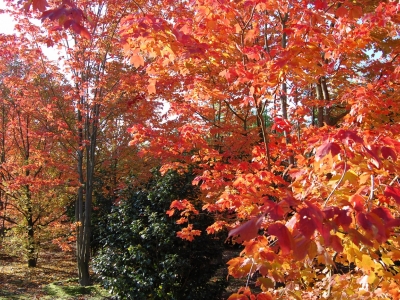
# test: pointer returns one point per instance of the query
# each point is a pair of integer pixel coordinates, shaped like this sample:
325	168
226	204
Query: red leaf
357	237
343	219
275	211
345	135
247	230
39	5
358	202
325	148
281	124
320	4
301	248
264	296
383	213
363	221
336	243
356	12
372	151
85	33
379	228
393	192
79	29
306	224
393	223
284	236
388	152
341	11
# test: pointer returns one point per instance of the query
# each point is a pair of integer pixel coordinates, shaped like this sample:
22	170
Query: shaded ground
55	277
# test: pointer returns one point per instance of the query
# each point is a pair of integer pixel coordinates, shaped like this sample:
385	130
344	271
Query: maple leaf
281	125
188	233
284	236
357	237
306	224
39	5
393	192
137	60
372	151
346	135
358	202
388	152
151	88
325	148
247	230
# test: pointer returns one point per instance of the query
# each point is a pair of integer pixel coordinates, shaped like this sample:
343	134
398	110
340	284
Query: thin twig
393	181
339	182
371	194
248	277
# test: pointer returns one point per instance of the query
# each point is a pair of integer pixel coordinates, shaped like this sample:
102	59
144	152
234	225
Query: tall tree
104	96
35	181
102	100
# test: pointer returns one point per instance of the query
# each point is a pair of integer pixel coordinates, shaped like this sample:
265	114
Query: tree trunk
320	97
82	211
31	245
32	255
284	91
83	208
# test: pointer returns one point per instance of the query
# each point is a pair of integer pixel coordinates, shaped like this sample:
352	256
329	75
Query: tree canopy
288	109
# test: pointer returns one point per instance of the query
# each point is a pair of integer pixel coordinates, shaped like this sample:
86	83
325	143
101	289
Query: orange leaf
355	12
264	296
151	88
137	60
358	202
188	233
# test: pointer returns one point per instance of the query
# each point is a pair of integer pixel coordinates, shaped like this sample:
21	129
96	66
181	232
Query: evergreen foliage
142	258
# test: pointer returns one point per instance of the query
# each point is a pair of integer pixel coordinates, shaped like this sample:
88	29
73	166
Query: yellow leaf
366	263
371	278
387	261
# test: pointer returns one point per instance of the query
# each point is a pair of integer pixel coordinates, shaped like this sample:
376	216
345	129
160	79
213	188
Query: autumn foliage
290	111
313	196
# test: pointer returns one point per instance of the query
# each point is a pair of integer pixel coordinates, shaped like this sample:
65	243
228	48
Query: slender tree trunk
284	90
32	255
323	96
320	115
31	244
82	210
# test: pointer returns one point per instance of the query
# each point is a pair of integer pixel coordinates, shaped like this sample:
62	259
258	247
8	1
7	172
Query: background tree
36	184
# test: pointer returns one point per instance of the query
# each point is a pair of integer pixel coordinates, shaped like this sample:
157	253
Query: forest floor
55	277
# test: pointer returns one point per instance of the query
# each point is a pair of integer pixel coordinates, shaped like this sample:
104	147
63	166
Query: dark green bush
143	259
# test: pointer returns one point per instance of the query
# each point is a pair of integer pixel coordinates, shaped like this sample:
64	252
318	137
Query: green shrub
143	259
